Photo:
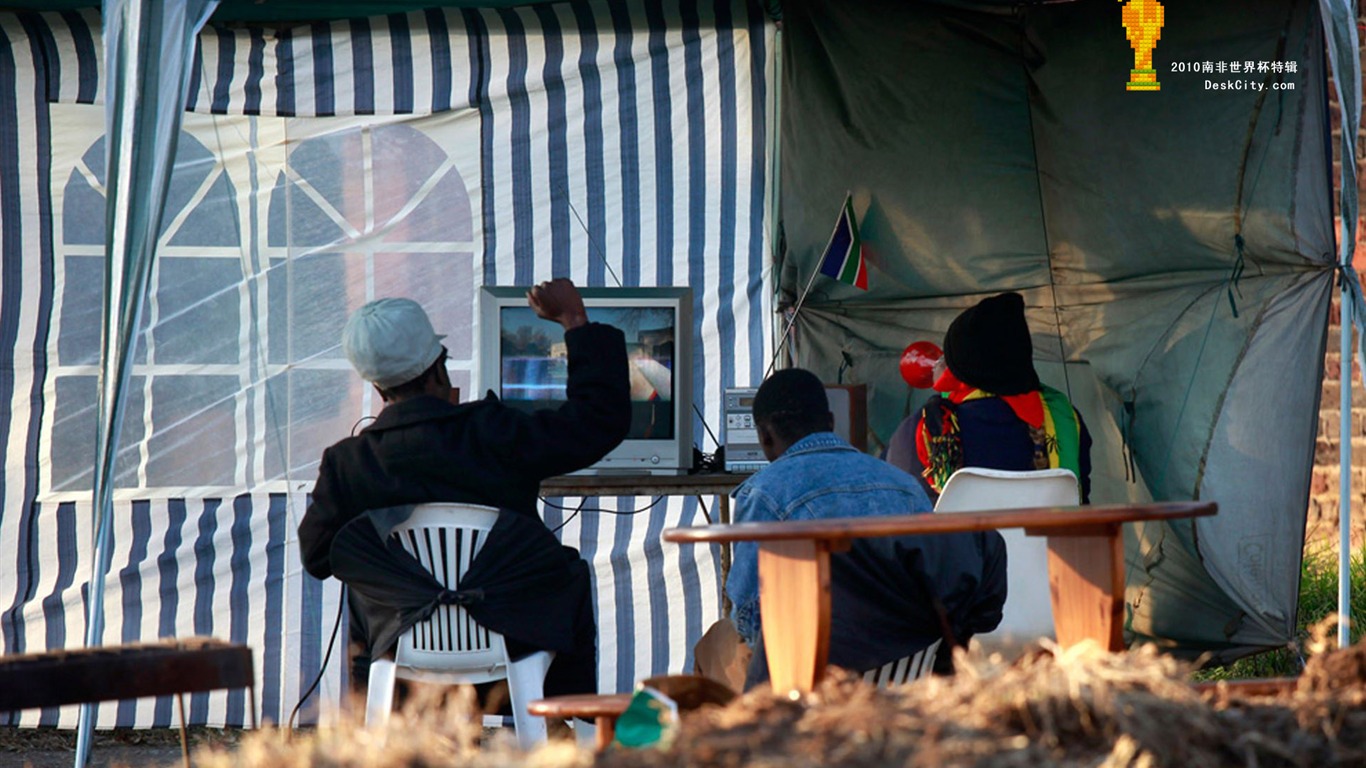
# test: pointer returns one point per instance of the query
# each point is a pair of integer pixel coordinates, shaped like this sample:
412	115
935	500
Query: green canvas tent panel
1175	250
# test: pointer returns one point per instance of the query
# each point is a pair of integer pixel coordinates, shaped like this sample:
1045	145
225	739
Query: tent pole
148	47
1345	472
1344	52
775	144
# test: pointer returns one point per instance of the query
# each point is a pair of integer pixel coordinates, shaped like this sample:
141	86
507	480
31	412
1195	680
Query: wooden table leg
1086	578
605	730
794	606
723	517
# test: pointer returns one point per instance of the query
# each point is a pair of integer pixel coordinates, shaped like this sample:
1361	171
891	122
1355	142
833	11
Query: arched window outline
252	367
168	353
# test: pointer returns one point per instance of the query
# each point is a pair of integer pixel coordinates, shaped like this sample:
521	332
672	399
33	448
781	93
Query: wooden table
1085	570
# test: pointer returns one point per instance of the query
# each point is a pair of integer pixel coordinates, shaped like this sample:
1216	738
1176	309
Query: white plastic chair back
1028	612
450	646
445	538
913	667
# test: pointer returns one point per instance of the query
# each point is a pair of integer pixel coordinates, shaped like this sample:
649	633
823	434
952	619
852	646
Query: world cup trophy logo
1143	27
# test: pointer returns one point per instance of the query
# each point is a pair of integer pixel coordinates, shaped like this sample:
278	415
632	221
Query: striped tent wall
621	145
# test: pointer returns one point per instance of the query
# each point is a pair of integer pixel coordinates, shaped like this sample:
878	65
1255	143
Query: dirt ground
157	748
1077	707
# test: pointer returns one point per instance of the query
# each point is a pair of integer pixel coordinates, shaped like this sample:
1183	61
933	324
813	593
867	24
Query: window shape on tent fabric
187	370
359	213
239	379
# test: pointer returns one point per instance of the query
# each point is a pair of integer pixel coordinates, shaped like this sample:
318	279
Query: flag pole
778	348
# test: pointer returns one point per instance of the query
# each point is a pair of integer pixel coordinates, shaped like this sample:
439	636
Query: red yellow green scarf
1047	412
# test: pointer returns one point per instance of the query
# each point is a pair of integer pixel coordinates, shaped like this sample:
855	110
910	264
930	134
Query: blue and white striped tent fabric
324	165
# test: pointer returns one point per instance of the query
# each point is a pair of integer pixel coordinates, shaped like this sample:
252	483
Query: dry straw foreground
1078	707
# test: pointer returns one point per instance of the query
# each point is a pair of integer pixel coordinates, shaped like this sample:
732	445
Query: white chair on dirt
1028	612
450	647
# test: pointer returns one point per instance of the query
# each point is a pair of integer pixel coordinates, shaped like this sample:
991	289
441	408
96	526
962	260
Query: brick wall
1322	527
1323	490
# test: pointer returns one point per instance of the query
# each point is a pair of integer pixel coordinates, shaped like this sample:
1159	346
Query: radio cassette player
848	404
743	453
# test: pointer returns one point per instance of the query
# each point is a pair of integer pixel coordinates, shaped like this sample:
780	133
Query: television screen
534	367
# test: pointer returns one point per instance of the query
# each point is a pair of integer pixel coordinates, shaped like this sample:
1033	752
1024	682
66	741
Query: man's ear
767	440
829	421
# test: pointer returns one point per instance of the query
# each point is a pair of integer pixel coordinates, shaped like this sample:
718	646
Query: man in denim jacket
890	597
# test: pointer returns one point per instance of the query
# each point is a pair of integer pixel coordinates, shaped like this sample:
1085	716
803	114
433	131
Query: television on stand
522	360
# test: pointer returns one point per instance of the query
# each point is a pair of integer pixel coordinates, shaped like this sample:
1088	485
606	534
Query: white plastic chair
1028	611
450	646
913	667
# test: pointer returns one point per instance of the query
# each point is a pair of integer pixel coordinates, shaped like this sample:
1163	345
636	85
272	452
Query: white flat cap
390	341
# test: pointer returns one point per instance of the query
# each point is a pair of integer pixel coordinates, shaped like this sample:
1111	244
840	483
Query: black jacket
426	449
893	596
523	584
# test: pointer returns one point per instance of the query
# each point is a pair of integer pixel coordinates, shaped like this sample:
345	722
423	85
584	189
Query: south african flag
843	259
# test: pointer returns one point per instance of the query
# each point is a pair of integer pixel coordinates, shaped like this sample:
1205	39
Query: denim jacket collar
815	442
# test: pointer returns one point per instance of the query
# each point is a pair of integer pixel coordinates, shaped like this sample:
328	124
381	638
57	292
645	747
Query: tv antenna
601	255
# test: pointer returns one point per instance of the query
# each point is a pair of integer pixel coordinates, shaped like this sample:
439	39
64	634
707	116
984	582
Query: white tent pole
1345	473
775	145
1340	32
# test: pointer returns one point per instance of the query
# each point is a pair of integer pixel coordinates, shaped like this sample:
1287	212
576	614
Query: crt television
522	359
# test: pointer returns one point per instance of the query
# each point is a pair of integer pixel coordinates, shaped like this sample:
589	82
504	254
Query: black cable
336	625
705	426
567	519
580	508
322	668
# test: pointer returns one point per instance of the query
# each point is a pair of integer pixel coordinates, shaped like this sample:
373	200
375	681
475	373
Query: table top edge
1040	518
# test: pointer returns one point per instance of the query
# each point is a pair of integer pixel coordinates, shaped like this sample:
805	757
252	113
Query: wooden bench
689	692
604	709
1085	566
119	672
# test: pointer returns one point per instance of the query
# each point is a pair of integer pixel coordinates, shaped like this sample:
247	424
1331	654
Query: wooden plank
794	599
1261	686
122	672
1042	520
581	705
1086	578
1071	530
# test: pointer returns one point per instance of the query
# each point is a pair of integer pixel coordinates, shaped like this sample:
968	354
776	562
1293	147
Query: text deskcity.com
1245	85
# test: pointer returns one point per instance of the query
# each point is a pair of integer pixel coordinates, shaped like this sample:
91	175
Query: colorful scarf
1053	428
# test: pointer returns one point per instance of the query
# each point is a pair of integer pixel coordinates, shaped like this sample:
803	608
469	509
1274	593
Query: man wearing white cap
423	448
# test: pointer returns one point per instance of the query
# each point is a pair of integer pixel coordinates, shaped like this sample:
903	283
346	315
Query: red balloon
917	363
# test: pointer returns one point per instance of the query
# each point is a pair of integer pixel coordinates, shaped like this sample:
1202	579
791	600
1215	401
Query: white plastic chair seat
450	646
904	670
1028	611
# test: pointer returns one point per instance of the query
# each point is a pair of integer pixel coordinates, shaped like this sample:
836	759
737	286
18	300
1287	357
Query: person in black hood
992	411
